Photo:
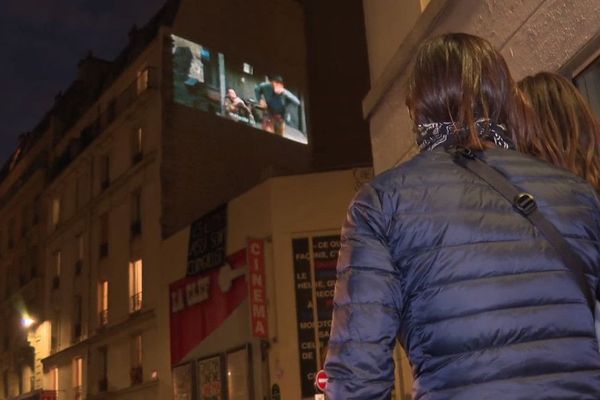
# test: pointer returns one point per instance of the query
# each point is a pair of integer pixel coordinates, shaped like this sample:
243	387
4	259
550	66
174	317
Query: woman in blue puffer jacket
434	257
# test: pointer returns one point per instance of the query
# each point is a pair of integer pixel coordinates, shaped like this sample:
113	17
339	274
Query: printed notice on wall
320	265
207	243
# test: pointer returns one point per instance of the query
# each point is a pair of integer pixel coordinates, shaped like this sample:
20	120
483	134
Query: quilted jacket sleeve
366	306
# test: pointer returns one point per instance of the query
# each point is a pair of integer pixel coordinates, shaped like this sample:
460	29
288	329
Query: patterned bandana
445	134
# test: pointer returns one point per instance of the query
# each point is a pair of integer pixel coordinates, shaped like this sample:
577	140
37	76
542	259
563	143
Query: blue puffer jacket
483	306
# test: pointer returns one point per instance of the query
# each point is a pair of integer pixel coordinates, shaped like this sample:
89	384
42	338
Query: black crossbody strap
524	204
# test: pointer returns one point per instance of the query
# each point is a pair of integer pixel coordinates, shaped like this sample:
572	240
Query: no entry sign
321	380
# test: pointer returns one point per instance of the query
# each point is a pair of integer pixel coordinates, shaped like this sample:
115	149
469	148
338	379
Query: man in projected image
236	107
273	97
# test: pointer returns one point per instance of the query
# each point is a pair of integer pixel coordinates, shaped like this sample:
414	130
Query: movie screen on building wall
208	80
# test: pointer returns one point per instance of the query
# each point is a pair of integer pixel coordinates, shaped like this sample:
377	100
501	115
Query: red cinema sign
258	292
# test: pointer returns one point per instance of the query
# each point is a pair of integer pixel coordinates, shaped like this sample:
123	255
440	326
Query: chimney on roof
91	68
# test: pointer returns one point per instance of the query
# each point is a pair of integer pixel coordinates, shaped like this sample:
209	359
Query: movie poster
210	379
182	382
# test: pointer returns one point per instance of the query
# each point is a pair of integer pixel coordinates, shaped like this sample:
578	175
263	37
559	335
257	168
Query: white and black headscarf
446	134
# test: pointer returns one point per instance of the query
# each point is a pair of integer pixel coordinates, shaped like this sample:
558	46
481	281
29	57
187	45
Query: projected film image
207	80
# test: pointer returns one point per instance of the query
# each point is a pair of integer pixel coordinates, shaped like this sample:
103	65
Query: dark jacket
482	304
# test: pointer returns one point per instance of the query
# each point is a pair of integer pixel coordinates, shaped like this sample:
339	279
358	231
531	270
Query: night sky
43	40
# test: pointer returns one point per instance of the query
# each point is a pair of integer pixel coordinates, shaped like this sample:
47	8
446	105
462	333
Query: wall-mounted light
27	321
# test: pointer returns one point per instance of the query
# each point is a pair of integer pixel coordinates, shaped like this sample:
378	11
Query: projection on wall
207	80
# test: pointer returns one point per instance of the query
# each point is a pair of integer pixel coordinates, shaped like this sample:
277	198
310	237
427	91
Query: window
136	213
34	260
137	145
5	383
78	198
142	81
247	68
11	233
54	379
57	269
80	249
25	224
103	369
55	211
55	333
77	317
104	171
77	377
103	303
104	235
588	82
238	374
36	210
136	360
135	286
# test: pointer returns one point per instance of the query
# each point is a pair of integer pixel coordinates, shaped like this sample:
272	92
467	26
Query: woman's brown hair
570	133
461	78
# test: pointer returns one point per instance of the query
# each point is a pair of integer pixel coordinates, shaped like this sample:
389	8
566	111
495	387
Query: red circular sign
321	380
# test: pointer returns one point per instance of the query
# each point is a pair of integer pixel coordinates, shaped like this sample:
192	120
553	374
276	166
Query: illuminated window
103	302
54	379
77	377
248	69
137	141
55	212
135	286
142	81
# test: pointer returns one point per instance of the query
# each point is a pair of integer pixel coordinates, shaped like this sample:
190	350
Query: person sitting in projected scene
273	97
236	108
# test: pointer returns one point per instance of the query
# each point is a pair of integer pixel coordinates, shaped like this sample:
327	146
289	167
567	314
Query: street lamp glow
27	321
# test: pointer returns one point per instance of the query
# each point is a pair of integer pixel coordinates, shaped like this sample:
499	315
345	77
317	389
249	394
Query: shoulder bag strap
525	205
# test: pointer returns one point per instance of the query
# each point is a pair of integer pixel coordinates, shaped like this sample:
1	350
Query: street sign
321	380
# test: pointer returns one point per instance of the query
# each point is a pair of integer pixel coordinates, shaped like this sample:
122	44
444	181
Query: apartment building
131	153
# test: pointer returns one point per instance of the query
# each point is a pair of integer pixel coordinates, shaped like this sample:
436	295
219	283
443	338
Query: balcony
103	318
135	302
137	375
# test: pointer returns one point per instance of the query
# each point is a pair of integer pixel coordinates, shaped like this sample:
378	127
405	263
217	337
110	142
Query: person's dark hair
570	133
276	78
461	78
